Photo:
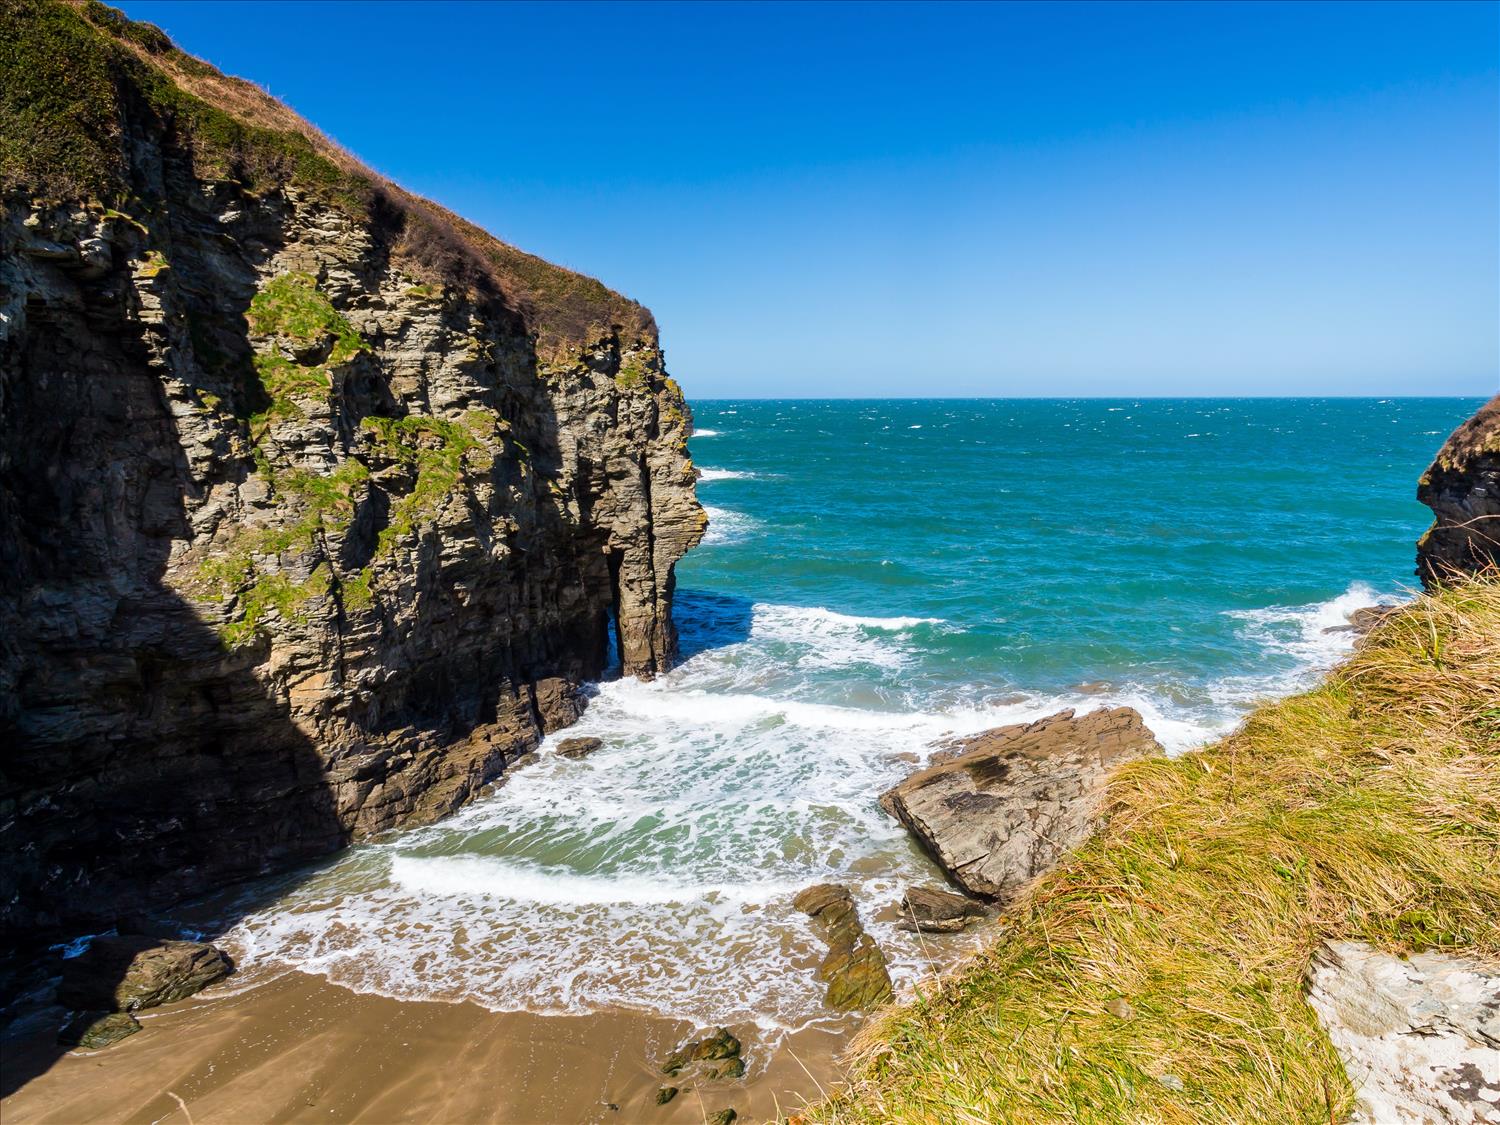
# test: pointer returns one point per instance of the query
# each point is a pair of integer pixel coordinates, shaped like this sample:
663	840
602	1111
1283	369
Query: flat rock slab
855	967
126	974
1004	806
1419	1037
931	911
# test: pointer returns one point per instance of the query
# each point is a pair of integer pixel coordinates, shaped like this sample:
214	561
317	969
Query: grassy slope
1368	808
78	80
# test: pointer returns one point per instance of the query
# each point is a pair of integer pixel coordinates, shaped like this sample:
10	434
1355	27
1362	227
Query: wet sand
298	1049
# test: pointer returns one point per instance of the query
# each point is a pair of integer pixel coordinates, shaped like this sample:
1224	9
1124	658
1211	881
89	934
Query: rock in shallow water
929	910
1420	1037
579	747
126	974
855	968
1012	801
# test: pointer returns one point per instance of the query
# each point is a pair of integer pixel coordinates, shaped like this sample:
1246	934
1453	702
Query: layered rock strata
1003	807
1462	487
317	504
855	967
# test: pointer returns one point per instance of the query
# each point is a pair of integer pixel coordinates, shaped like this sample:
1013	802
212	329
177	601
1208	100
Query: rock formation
1419	1036
93	1031
1004	806
316	503
1462	487
717	1055
931	911
855	968
127	974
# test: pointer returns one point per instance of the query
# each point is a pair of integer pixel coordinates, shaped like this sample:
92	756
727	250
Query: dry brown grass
1368	809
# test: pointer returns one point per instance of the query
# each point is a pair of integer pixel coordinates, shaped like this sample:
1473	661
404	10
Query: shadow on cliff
143	762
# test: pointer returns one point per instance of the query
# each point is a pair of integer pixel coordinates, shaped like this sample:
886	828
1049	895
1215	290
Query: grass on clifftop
1366	809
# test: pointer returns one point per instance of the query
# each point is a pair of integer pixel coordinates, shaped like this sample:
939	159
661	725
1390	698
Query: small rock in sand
93	1031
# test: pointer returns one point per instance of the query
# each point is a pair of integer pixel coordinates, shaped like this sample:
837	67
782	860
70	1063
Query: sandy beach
297	1048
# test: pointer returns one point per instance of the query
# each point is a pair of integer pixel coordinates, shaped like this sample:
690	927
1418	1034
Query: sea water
878	576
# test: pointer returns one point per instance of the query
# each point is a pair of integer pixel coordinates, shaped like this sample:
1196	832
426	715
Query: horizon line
1087	398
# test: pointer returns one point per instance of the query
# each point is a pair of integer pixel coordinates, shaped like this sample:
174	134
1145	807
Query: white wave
725	474
1314	635
727	526
489	877
705	433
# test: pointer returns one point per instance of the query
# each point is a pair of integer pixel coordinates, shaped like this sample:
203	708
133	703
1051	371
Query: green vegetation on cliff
1157	975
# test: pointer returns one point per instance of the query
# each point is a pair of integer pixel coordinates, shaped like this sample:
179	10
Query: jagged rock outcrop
1419	1035
1462	487
127	974
316	503
1004	806
855	968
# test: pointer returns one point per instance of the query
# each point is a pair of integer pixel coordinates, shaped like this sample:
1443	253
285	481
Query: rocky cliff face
316	504
1462	487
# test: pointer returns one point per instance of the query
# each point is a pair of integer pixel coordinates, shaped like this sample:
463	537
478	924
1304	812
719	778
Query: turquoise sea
877	576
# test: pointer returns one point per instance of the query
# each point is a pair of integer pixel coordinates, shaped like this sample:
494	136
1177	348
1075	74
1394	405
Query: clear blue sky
952	200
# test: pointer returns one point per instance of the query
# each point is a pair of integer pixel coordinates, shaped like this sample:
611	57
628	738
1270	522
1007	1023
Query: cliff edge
317	504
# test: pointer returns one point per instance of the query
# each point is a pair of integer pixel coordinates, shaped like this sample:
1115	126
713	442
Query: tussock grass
1157	976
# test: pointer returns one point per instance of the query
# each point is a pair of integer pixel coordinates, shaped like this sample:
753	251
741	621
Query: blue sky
963	199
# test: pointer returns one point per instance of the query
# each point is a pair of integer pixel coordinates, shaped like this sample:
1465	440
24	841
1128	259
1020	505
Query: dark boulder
579	747
126	974
93	1031
1462	487
855	968
929	910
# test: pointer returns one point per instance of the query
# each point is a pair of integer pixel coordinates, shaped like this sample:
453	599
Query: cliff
1462	487
316	503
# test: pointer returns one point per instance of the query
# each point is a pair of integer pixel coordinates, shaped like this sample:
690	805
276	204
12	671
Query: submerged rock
1419	1037
665	1094
1462	487
715	1056
93	1031
929	910
723	1117
1009	803
855	968
126	974
579	747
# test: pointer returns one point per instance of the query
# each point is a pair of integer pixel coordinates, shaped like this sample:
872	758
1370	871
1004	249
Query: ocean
877	576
